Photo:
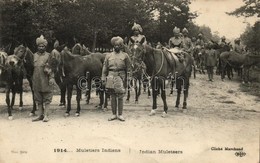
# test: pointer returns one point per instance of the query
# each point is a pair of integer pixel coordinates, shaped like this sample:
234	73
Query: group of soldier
116	67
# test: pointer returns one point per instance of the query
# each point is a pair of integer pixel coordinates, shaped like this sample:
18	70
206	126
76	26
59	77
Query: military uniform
115	69
42	79
137	37
210	61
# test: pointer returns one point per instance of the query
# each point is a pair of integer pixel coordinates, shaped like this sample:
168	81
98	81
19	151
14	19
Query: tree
250	8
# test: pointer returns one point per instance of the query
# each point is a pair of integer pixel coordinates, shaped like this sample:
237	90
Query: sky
212	14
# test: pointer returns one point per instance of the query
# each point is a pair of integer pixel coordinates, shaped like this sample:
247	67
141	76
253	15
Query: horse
17	66
137	70
158	66
75	69
235	60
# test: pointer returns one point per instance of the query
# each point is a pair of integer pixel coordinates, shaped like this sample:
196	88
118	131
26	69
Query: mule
158	66
75	69
17	67
240	61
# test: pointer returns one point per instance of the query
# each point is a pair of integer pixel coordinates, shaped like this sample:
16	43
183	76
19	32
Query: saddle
174	55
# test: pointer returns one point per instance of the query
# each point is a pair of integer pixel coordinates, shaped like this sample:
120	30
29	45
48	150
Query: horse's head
77	49
137	50
20	51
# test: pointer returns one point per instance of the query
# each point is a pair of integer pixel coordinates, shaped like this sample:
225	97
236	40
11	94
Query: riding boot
46	112
120	109
40	117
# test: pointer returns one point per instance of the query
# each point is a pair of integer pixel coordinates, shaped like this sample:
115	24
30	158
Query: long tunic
187	44
40	78
138	39
175	42
210	57
116	65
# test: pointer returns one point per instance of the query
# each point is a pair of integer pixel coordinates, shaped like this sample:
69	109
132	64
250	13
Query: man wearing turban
43	80
116	67
187	44
176	40
137	36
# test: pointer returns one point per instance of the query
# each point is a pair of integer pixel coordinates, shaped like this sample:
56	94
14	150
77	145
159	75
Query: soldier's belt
116	70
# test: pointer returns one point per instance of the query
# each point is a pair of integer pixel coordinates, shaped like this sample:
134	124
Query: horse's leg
136	91
13	97
178	86
163	96
32	113
88	92
154	94
139	88
62	94
7	100
186	92
223	67
78	98
21	93
69	95
128	93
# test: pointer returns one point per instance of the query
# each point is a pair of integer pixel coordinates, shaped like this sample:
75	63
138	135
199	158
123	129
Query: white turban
176	30
137	27
41	40
117	41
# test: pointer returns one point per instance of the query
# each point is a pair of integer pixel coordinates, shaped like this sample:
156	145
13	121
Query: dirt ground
219	116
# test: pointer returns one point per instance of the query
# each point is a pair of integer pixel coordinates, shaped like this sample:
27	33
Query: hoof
10	118
87	102
61	104
164	114
184	110
32	114
105	109
152	112
77	114
98	106
136	102
20	108
148	97
67	114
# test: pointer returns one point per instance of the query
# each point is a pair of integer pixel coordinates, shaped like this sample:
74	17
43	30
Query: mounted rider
237	47
186	41
137	36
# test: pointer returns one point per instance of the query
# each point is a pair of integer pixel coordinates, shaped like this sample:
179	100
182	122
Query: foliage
92	22
251	37
250	8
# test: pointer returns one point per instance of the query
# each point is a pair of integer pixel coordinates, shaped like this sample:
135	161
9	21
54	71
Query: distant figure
223	41
210	60
186	45
159	45
237	47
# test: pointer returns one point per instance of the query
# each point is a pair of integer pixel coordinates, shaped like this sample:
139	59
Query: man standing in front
116	67
43	80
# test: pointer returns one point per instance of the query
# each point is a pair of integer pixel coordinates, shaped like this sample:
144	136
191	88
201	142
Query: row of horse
69	68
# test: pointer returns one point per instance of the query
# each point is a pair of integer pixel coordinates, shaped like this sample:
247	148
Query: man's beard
117	50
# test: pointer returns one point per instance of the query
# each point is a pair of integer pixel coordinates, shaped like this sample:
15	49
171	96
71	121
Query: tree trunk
94	40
